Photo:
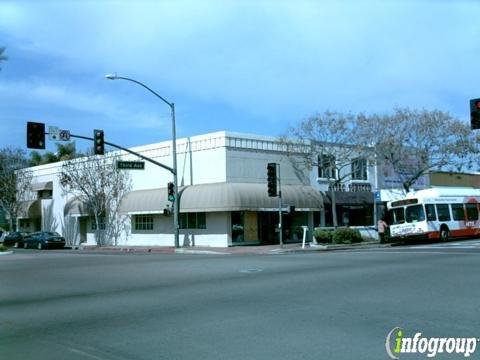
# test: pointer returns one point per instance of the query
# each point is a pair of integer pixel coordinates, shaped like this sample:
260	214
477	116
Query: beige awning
246	196
224	197
42	186
30	209
75	207
145	201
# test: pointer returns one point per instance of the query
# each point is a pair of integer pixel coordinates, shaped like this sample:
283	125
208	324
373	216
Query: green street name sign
131	165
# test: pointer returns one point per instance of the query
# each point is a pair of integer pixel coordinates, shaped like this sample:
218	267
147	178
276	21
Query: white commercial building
224	202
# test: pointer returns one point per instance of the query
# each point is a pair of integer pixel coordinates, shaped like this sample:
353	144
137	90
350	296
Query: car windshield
52	233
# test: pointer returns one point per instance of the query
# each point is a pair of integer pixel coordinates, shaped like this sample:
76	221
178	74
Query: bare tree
327	141
414	142
49	221
100	186
15	182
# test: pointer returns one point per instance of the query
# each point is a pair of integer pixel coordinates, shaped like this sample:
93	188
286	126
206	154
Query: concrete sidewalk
253	249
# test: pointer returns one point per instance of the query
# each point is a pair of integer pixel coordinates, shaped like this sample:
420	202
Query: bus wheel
444	234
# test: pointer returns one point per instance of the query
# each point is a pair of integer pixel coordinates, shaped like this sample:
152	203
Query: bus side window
458	213
443	212
430	210
472	211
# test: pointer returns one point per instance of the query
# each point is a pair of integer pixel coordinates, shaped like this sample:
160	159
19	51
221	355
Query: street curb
316	248
234	250
201	252
6	252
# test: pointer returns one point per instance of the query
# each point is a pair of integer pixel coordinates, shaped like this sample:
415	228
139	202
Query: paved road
326	305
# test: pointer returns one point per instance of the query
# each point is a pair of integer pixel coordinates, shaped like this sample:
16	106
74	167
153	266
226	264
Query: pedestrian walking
381	227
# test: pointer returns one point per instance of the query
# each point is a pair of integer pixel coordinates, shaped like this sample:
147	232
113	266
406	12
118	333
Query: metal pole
280	235
176	202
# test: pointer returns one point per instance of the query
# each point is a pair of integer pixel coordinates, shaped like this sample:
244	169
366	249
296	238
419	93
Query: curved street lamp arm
146	87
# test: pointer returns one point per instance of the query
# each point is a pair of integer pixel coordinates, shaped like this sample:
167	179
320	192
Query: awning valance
220	197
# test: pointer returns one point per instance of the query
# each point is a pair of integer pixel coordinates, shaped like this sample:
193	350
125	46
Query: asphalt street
319	305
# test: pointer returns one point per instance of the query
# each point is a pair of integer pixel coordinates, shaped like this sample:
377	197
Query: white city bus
436	213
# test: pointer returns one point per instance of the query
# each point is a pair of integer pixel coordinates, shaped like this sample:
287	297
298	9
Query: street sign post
64	135
53	133
130	165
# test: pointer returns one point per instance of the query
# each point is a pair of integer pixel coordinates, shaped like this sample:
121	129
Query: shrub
346	236
3	247
323	236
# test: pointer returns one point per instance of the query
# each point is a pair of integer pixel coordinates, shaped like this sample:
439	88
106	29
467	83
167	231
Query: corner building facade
222	180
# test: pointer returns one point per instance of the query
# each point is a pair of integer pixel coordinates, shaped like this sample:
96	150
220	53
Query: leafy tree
100	186
15	180
327	141
414	142
65	151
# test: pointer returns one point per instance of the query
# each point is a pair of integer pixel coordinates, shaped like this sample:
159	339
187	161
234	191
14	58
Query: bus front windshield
409	214
415	213
396	216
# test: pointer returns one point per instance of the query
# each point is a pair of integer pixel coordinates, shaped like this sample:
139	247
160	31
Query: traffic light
98	142
35	135
475	114
272	179
171	191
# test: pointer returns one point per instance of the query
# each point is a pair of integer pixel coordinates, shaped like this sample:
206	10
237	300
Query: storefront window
355	215
238	226
143	222
101	221
193	221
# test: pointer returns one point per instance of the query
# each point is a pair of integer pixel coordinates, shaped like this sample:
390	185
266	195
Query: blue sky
245	66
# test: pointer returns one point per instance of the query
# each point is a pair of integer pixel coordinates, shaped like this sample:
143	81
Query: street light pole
176	202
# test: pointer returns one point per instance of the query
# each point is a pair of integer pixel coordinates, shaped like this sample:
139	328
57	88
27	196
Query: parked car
15	238
44	240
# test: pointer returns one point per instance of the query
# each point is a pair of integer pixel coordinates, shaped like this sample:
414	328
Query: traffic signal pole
280	229
127	150
36	140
